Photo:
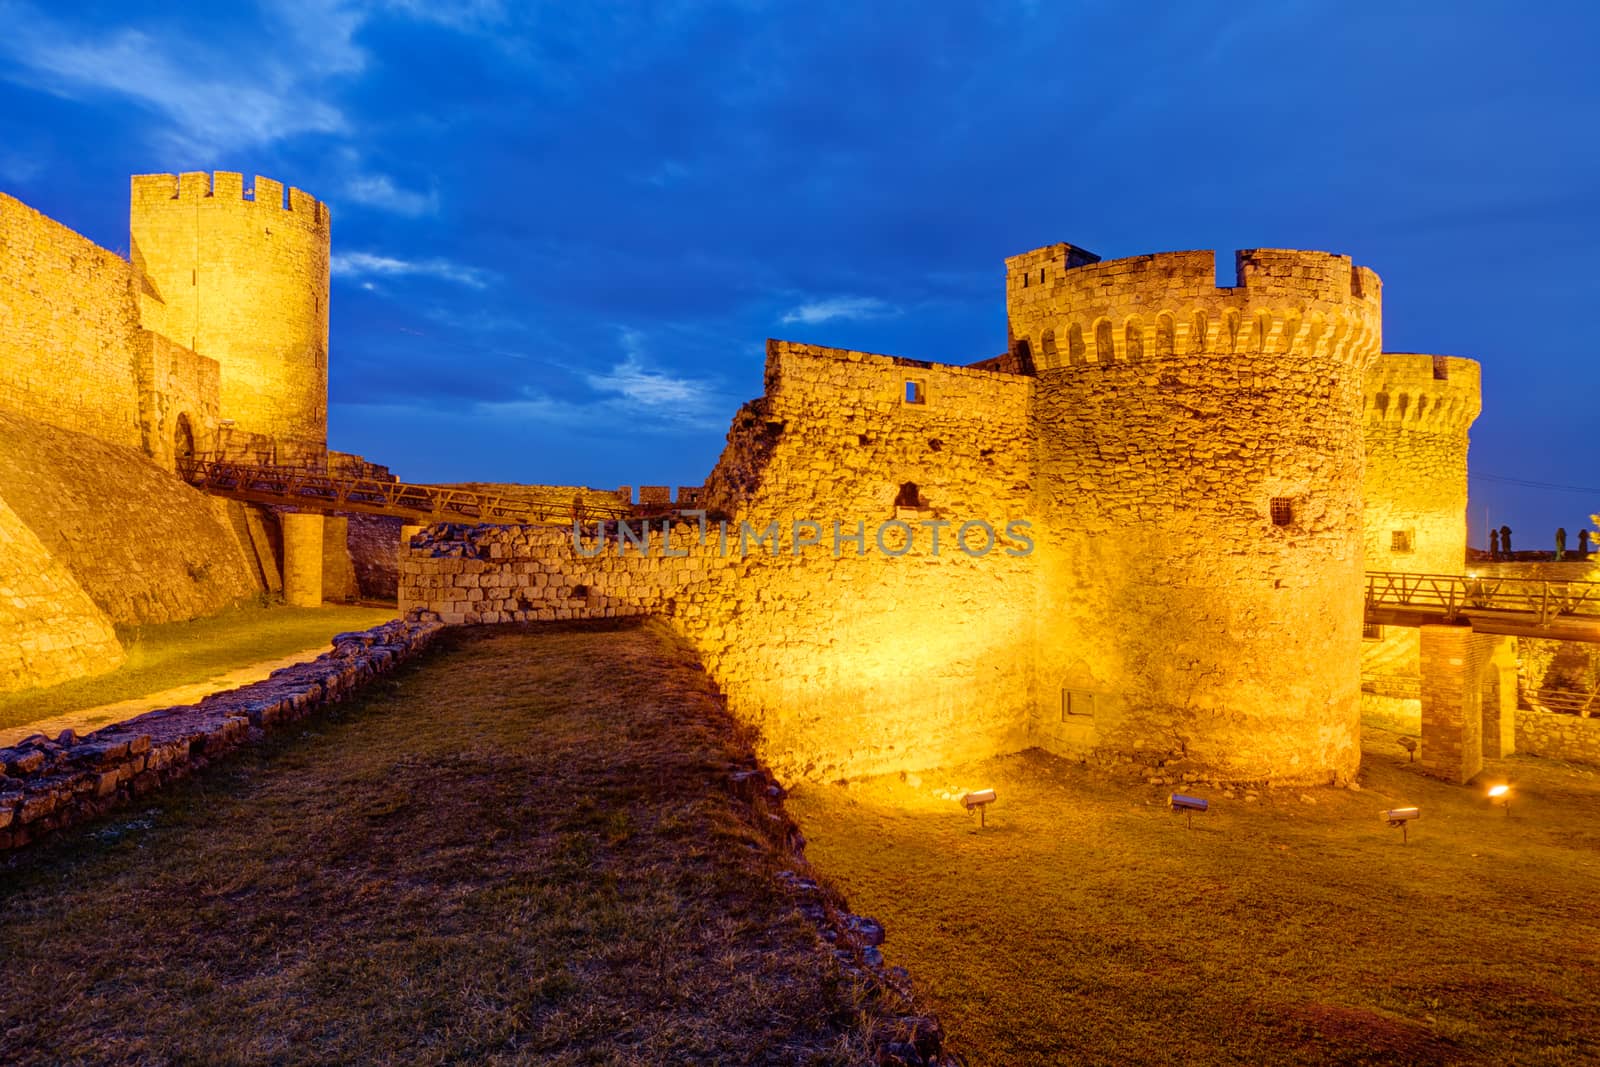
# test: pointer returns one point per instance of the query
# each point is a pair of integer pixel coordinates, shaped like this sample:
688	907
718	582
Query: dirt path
105	714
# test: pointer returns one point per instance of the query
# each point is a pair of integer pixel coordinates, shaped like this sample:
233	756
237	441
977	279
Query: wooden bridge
310	490
1519	607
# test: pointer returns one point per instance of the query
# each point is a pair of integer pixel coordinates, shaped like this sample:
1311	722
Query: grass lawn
173	654
514	850
1087	925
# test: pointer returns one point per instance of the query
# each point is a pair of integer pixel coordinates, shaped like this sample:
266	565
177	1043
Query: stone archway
183	439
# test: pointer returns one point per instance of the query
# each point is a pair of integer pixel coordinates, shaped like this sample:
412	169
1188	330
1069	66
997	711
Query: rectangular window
1076	703
1441	369
1400	541
1282	511
914	392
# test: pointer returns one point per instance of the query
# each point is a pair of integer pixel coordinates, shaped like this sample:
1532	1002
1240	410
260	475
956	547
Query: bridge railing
294	485
1453	594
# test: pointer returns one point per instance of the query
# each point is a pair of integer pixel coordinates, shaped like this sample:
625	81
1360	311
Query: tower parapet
1168	304
242	276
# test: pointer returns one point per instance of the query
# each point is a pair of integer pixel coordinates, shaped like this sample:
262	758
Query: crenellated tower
1419	409
241	275
1198	463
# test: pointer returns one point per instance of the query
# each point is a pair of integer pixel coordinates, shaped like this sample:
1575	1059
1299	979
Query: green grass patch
1086	924
514	850
167	655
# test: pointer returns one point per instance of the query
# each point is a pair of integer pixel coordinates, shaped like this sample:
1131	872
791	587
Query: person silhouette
1494	544
1505	542
1561	543
1583	544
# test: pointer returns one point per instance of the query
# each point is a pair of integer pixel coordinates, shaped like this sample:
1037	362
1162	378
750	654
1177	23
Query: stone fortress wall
887	655
103	385
1191	461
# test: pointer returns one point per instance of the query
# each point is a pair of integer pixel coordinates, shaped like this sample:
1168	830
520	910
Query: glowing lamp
1502	793
1188	806
979	800
1399	817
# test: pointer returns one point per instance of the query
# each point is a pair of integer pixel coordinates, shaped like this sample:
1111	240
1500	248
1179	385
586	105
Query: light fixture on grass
1188	806
1399	817
1502	793
978	799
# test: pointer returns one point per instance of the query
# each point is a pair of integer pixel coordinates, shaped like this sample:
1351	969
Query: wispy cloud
635	384
211	101
380	191
840	307
357	266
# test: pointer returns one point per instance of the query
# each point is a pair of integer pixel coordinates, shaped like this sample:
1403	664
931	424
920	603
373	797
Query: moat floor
515	850
1086	924
180	662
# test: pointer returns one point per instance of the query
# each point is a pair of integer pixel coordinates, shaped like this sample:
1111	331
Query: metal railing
1454	595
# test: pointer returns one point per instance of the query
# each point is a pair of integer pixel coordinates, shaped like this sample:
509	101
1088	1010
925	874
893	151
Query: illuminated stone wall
144	546
68	318
849	665
245	282
1198	462
50	631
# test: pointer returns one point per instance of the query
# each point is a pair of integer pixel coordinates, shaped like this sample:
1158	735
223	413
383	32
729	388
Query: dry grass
167	655
517	851
1086	925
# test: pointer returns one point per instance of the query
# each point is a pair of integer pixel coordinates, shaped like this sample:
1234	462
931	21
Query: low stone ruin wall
1558	735
48	784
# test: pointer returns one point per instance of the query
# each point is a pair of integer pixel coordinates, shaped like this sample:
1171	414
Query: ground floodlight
979	799
1502	793
1399	817
1188	806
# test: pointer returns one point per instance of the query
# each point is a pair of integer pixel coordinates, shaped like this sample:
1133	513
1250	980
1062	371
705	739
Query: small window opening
864	439
1371	631
1025	278
1282	511
908	497
1076	703
914	392
580	590
935	444
1441	369
1400	541
1041	275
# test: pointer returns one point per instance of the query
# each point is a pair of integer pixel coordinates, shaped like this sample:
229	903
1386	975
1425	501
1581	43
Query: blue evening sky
563	231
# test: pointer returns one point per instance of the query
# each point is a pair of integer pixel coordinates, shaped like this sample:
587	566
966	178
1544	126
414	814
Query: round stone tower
242	277
1198	474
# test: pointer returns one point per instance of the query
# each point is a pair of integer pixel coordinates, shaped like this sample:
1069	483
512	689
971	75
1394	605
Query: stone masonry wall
1197	461
144	546
46	784
175	384
50	631
67	321
853	664
1557	736
243	280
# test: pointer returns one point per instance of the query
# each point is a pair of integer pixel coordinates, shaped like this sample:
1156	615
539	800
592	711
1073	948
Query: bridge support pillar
407	532
1453	662
302	559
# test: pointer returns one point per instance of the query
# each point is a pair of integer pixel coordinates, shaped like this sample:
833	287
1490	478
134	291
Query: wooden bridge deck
1519	607
317	491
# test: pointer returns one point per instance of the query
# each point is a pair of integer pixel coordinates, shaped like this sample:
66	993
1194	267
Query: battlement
1071	310
1442	394
151	191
